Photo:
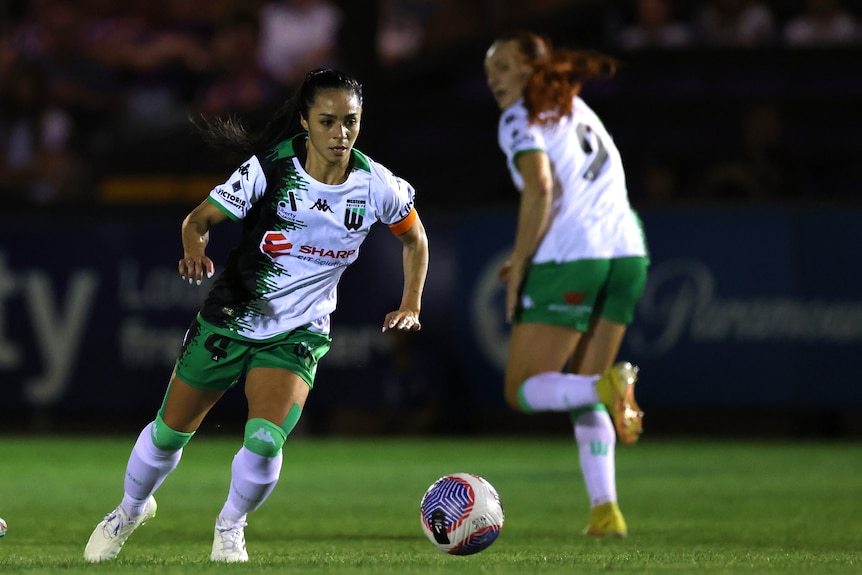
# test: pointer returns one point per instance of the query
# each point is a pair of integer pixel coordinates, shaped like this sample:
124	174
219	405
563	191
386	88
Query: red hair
556	80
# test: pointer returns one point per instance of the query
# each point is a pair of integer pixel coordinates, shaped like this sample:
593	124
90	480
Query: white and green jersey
590	216
299	235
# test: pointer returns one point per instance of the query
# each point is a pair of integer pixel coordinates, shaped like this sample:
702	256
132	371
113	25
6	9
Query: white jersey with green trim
590	216
299	235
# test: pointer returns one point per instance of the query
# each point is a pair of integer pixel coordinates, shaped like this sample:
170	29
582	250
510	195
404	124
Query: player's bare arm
415	258
195	236
536	197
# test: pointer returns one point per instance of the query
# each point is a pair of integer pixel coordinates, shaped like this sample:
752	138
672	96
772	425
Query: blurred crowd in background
93	87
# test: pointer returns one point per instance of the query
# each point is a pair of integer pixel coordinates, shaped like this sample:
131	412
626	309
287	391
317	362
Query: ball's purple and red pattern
456	518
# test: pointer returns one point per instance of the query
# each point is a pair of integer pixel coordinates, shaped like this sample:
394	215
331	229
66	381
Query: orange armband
399	228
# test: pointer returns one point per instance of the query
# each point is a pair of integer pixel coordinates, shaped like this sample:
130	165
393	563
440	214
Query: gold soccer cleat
606	520
616	388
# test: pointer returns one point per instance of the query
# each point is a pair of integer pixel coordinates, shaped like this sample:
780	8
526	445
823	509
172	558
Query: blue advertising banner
744	307
751	307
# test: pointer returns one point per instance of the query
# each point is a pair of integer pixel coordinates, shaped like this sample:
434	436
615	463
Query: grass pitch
351	507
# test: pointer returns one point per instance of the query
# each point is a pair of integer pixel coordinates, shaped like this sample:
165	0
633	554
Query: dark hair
558	74
534	47
229	135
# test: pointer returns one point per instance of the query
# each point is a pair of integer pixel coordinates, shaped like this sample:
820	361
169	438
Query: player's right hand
194	268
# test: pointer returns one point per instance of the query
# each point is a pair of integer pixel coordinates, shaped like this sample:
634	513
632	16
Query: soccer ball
3	527
461	514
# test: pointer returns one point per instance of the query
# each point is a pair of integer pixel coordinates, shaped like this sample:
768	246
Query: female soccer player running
307	200
579	263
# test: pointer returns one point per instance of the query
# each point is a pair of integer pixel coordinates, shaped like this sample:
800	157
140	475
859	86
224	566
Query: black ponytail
229	136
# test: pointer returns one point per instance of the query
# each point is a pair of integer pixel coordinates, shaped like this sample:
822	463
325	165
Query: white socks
594	431
552	391
147	468
253	477
596	438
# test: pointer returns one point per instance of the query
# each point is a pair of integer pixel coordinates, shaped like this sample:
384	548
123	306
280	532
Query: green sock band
525	407
576	413
263	437
166	438
292	419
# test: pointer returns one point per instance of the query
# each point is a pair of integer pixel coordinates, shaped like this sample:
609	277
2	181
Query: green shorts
569	294
212	359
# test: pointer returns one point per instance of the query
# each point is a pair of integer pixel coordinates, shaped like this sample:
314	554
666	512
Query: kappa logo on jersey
243	170
275	244
322	205
509	119
354	214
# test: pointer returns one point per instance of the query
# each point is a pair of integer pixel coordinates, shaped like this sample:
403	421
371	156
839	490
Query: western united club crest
354	214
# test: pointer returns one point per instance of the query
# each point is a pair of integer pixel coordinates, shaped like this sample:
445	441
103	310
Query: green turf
351	507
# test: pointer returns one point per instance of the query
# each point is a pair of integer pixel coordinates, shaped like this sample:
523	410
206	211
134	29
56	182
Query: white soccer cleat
229	542
110	535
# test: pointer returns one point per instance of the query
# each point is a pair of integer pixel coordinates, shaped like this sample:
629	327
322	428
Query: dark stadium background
752	321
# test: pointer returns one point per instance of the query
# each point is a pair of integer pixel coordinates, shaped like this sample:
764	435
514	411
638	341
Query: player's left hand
505	271
402	320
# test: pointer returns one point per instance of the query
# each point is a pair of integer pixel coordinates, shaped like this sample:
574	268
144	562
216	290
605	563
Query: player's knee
264	437
166	438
